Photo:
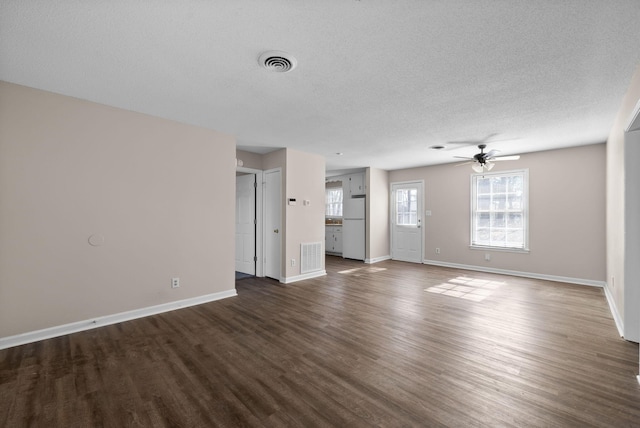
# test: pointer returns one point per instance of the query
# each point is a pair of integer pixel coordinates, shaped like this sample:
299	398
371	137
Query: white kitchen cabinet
355	184
333	239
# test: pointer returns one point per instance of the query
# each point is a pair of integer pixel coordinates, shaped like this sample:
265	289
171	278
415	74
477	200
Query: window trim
525	211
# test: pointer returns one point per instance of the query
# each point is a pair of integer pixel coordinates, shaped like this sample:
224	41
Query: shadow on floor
240	275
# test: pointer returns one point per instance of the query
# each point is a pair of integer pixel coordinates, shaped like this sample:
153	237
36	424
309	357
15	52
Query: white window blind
333	203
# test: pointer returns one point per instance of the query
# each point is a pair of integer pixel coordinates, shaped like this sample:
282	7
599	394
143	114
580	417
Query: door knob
275	230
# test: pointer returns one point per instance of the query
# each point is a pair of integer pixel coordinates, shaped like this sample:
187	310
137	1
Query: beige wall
305	178
615	195
567	215
158	191
249	160
377	183
276	159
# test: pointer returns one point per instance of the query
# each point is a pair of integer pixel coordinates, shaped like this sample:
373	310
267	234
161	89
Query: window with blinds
333	202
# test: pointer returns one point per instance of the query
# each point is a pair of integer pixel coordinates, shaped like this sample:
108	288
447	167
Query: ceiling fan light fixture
482	161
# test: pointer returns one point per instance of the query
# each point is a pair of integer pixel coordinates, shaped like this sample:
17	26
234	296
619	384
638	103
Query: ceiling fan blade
506	158
458	144
491	154
463	157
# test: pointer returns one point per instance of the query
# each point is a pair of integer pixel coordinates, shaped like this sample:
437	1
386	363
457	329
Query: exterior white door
273	223
406	221
246	224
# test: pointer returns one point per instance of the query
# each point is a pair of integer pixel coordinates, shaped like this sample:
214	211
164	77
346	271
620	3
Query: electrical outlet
175	282
293	262
437	250
487	256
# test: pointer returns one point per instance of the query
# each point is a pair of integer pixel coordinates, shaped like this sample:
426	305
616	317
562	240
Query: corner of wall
615	199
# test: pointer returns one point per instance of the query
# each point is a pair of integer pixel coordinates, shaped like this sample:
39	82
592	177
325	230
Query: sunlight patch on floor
362	270
466	288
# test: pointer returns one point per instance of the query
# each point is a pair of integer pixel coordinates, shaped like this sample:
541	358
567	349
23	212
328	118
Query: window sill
503	249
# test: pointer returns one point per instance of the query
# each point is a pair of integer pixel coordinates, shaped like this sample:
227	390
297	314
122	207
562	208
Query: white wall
616	198
159	192
632	237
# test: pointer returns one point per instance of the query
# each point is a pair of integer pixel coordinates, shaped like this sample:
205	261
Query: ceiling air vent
277	61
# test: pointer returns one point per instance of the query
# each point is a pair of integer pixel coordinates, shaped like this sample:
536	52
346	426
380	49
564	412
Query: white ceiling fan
484	161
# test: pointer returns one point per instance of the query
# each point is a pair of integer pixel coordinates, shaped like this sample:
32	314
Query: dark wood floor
364	346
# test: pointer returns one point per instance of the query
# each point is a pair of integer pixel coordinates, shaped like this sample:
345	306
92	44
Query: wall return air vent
277	61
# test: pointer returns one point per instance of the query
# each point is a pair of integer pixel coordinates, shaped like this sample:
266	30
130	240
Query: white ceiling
380	81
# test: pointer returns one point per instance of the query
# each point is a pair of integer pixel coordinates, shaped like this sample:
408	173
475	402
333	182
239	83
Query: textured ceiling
380	81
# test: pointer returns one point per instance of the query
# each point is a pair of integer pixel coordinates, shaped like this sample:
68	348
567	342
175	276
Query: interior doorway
249	249
246	223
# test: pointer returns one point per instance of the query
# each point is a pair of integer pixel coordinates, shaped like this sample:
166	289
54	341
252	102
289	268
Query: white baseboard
556	278
377	259
61	330
290	279
614	311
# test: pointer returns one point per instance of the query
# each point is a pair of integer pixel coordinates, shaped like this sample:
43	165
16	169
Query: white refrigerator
353	228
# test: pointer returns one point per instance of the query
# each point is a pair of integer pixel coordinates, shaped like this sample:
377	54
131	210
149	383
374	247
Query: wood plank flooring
364	346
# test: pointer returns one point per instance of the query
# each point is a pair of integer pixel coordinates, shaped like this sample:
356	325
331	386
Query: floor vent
310	257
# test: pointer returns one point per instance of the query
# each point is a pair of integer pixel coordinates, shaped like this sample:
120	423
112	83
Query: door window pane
407	207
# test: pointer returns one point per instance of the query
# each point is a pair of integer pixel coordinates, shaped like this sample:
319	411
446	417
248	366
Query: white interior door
246	224
406	221
273	223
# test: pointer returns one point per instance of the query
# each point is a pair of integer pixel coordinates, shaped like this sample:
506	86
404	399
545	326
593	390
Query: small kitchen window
333	203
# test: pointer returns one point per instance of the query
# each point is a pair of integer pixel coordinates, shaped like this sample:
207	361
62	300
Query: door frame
421	205
248	183
265	229
259	217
